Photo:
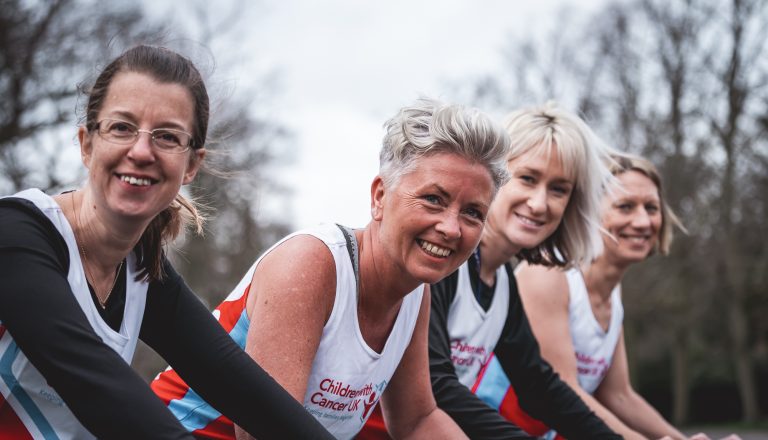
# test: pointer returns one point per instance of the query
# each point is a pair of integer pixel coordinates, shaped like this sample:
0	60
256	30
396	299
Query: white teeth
434	249
638	239
528	221
134	181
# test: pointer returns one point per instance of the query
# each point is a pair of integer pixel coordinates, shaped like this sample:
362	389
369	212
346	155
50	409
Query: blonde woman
577	315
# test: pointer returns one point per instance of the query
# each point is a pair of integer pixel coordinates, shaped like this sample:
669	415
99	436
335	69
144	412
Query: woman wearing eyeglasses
85	276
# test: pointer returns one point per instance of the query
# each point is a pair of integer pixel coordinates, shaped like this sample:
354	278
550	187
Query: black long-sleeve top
539	389
39	310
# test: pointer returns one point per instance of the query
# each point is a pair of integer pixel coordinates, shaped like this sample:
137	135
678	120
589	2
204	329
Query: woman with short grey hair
339	316
480	341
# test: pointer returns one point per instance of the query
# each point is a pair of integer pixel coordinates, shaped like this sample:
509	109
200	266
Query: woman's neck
103	241
382	285
495	251
381	290
602	276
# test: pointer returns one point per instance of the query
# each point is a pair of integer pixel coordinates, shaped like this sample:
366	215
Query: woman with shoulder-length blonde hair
577	314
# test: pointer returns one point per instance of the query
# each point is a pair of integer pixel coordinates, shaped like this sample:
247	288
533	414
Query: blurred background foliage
682	82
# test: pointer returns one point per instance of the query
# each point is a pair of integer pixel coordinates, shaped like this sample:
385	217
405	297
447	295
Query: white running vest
38	406
594	347
347	376
474	332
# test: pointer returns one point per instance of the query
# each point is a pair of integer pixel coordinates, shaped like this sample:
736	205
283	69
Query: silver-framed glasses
125	133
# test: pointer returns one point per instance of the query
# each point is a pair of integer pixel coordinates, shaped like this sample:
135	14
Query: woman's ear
86	145
377	198
195	162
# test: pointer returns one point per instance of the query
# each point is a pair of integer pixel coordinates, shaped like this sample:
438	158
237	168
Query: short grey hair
584	157
429	127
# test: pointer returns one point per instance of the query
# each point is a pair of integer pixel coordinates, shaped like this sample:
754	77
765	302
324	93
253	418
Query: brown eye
167	138
121	129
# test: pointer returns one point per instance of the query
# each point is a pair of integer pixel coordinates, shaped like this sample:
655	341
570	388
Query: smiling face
432	218
138	181
530	207
632	215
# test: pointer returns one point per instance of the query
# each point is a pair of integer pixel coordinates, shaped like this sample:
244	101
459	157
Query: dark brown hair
165	66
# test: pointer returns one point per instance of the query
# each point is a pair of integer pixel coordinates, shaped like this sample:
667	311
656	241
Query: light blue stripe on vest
240	331
192	411
6	363
493	387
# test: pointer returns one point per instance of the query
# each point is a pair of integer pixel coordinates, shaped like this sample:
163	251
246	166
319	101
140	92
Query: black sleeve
539	389
185	333
39	310
476	419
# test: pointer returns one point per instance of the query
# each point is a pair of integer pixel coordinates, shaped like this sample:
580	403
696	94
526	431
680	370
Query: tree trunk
742	359
680	378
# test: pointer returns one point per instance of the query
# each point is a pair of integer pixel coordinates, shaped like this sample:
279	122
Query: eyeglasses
125	133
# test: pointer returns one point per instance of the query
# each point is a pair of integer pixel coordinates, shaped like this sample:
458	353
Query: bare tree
740	77
44	45
47	47
683	83
243	149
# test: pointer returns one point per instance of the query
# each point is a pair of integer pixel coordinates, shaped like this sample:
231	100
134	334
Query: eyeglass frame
137	131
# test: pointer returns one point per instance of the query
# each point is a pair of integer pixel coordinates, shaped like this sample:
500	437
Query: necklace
81	248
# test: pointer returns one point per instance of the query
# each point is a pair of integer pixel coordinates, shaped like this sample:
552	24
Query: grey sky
345	66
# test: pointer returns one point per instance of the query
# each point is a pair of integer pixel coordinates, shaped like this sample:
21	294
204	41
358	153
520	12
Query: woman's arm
476	419
408	405
183	331
291	298
617	394
540	391
39	310
545	296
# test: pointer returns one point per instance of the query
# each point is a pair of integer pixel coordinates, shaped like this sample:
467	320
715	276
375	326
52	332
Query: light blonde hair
549	129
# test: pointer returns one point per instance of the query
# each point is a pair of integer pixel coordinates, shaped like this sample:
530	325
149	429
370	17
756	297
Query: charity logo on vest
590	366
466	355
339	401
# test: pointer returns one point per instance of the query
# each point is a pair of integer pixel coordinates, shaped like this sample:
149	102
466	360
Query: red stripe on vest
374	428
220	429
11	427
230	311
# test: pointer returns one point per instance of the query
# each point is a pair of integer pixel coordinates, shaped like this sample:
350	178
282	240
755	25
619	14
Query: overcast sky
344	67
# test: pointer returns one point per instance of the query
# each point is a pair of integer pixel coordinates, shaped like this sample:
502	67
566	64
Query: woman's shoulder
24	226
20	217
300	260
543	282
539	275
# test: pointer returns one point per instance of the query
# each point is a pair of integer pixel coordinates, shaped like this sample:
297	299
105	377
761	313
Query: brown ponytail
163	229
